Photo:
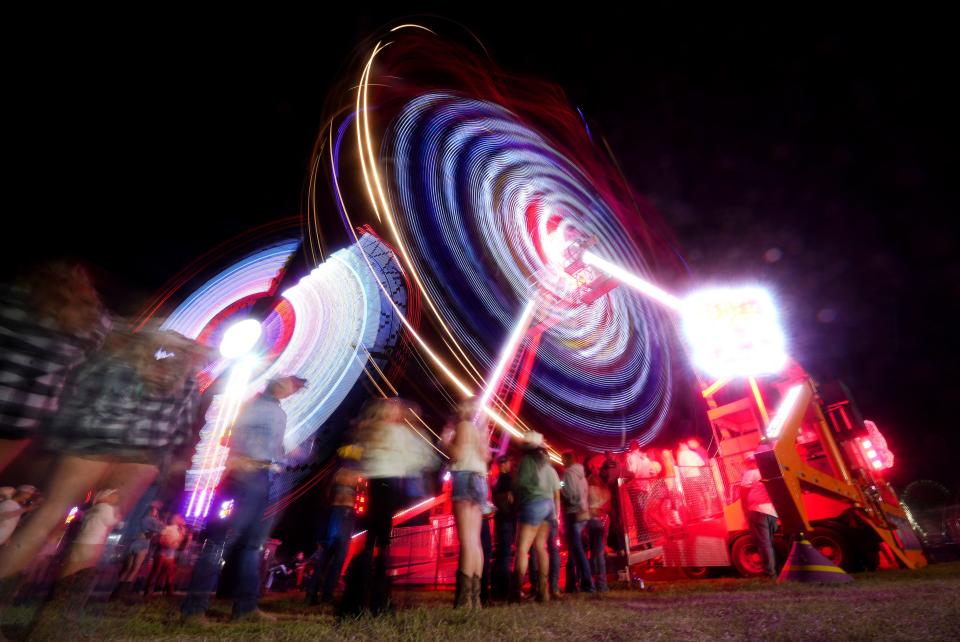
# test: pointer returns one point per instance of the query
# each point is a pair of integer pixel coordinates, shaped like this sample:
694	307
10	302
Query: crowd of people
118	411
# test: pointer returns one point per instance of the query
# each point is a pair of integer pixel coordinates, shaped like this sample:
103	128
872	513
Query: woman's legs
469	519
543	561
525	540
71	479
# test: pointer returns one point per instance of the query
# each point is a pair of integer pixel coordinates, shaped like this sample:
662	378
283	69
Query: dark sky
811	152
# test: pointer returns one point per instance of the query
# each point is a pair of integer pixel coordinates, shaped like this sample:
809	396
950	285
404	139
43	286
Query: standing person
335	538
98	522
598	501
51	320
121	415
553	540
21	501
537	504
505	528
169	541
150	526
392	452
760	513
469	453
256	450
576	512
610	472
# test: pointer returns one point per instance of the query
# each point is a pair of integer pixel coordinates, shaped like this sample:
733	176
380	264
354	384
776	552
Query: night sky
812	153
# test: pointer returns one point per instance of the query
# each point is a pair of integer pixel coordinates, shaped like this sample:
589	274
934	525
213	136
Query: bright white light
872	454
240	338
877	464
776	424
634	281
867	444
734	332
446	476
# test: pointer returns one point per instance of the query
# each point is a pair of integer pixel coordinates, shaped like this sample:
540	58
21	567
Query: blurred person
299	568
576	513
598	502
537	504
610	473
20	501
505	527
121	414
334	540
392	452
51	320
150	527
689	461
98	522
760	513
256	452
695	446
169	541
467	444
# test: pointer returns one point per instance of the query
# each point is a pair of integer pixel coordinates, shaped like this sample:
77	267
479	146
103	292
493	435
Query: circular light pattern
488	209
326	328
240	338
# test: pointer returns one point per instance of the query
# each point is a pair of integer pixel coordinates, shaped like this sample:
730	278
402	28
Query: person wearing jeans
760	513
598	501
335	538
575	515
237	520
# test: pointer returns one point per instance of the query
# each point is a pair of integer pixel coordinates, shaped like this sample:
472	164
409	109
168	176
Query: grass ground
891	605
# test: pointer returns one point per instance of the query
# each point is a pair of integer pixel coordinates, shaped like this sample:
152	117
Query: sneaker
255	615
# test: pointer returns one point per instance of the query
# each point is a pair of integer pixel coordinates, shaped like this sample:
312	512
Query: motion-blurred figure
51	319
121	414
334	540
393	452
256	451
169	542
17	503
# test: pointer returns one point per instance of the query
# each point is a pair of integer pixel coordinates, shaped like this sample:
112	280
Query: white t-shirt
690	463
98	522
7	526
757	498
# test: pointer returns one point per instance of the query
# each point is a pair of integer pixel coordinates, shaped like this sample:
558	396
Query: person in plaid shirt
121	414
51	319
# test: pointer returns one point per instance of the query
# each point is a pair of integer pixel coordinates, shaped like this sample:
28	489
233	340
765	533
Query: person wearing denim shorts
537	498
469	452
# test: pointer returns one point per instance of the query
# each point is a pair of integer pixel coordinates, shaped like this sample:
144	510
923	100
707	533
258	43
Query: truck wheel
745	556
833	546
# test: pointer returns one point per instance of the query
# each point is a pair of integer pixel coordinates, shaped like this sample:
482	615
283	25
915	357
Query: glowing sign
734	332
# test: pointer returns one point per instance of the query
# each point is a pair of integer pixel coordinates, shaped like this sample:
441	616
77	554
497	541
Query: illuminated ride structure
336	327
516	232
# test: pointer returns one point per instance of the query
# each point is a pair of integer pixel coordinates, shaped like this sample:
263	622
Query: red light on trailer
877	464
872	454
866	443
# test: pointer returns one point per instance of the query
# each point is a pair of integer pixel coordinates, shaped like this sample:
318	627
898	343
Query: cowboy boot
475	586
543	588
463	597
